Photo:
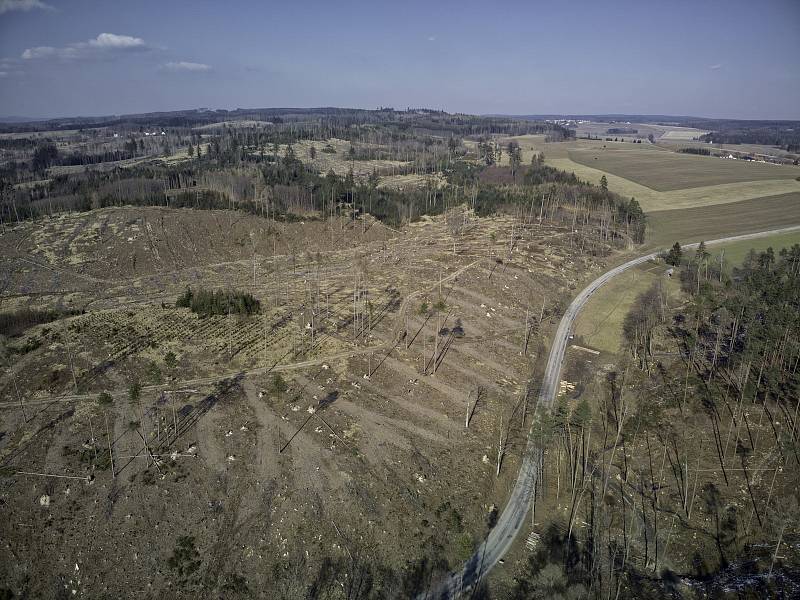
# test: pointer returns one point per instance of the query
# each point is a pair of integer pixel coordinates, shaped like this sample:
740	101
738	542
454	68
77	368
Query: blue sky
717	58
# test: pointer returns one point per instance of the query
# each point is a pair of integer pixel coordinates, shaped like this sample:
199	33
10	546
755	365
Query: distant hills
681	120
177	118
778	132
18	119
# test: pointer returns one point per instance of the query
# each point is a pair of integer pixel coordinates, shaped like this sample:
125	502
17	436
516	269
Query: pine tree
674	256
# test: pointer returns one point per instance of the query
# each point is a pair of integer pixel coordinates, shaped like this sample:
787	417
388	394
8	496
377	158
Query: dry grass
668	171
337	161
182	155
682	133
405	182
652	200
673	132
392	447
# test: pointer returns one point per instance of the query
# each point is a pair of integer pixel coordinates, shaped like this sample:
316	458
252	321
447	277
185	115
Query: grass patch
599	325
665	171
277	385
735	252
705	192
652	200
711	222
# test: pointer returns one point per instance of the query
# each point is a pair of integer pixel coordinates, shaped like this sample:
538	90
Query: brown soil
383	470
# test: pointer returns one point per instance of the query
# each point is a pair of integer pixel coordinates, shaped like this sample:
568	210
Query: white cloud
22	5
715	67
432	38
48	52
9	67
104	45
112	40
186	66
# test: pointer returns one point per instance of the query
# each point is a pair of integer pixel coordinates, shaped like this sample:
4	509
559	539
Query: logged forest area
306	353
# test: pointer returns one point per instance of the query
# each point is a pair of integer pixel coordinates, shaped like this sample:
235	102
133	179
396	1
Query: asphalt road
512	519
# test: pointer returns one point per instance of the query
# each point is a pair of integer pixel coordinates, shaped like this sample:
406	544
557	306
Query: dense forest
683	468
783	135
256	169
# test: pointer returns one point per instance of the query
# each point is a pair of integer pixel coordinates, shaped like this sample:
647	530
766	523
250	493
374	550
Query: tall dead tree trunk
501	449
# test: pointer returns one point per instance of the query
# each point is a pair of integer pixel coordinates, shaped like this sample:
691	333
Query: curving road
512	518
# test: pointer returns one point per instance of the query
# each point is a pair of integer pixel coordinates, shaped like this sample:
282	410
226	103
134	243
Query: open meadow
714	221
642	130
733	254
686	197
599	327
665	171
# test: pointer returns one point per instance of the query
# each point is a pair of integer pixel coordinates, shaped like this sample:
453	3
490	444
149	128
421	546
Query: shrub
154	372
185	559
700	151
218	302
277	385
235	583
170	360
134	391
29	346
464	546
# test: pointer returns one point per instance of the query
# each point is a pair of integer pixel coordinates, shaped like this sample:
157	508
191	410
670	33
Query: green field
723	220
664	171
558	156
651	200
723	204
599	325
734	253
